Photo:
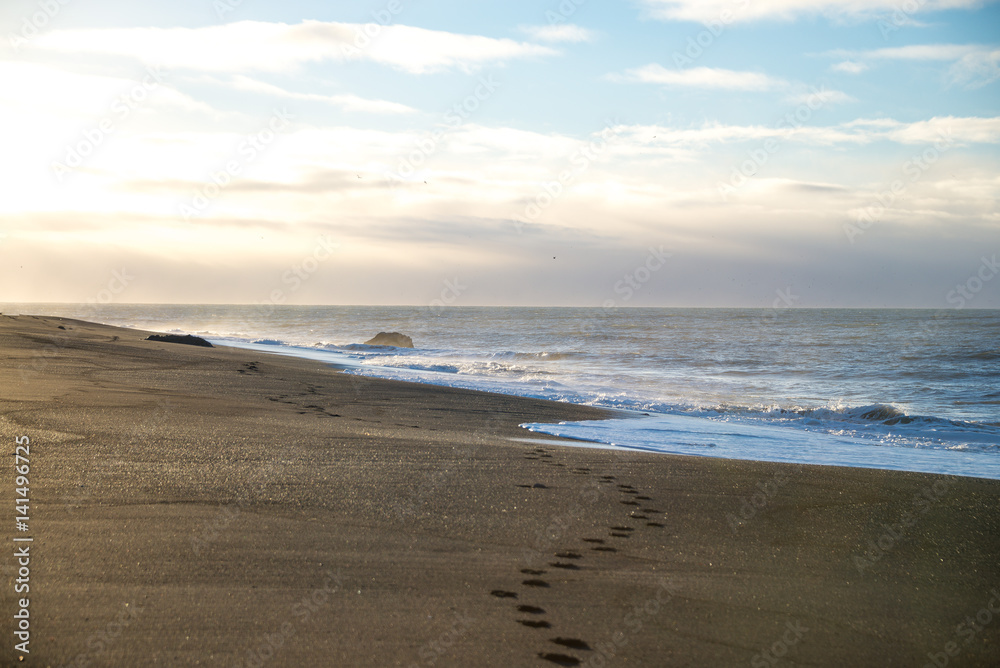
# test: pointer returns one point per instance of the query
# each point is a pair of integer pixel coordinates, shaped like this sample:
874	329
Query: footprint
500	593
535	583
568	567
643	498
572	643
604	549
617	534
567	555
592	540
653	524
560	659
629	491
529	571
530	609
535	623
607	477
638	517
629	503
652	510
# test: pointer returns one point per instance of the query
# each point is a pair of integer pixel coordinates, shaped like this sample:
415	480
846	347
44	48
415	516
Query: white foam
685	435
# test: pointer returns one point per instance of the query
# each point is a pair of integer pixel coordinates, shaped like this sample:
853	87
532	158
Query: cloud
729	11
347	102
278	47
849	67
977	69
974	65
915	52
565	32
823	96
701	77
959	130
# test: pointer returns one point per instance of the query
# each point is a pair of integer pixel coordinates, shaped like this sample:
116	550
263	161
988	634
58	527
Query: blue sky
654	152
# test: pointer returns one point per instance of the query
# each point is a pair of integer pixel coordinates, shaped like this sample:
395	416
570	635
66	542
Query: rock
394	339
176	338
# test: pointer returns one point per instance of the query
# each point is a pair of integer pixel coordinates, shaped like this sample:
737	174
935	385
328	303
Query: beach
219	506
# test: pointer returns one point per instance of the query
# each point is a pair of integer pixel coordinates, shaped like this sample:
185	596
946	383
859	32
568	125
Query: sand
222	507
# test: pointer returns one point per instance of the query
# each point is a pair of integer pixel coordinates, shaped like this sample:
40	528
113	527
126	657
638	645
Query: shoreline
822	448
213	505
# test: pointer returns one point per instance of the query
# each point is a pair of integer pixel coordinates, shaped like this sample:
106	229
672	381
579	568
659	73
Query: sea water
898	389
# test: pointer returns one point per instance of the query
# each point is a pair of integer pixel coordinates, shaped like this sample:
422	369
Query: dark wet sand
222	507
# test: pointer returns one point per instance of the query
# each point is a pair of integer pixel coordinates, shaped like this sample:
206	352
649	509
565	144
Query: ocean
912	390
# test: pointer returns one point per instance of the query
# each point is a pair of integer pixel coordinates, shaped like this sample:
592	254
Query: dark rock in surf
394	339
176	338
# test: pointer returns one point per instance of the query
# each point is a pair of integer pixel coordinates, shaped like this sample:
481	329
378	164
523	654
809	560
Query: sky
757	153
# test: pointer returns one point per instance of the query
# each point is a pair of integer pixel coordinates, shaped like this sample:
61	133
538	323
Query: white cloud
919	52
561	32
973	65
849	67
958	130
729	11
346	102
977	69
702	77
823	96
278	47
